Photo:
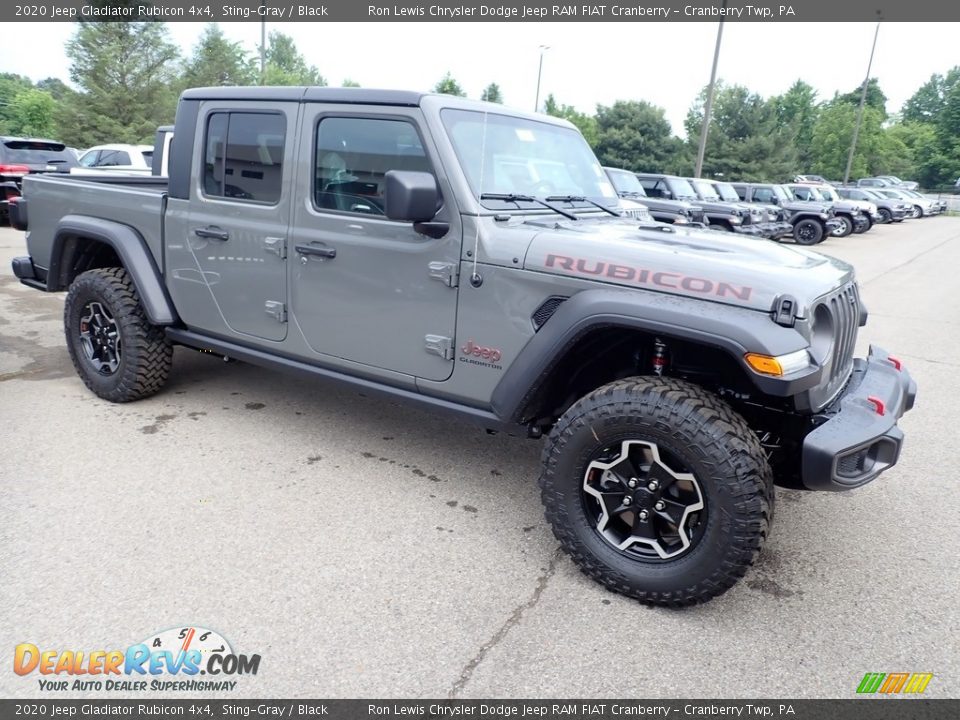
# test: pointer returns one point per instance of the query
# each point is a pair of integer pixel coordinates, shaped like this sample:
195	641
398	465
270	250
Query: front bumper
861	438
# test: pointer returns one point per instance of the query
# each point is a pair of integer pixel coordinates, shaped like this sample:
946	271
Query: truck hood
804	206
718	267
662	203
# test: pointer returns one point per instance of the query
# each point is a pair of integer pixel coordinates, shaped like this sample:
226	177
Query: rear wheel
885	215
117	353
808	232
917	212
866	226
657	490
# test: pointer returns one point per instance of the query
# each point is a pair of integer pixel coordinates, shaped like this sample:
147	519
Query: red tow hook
877	403
895	361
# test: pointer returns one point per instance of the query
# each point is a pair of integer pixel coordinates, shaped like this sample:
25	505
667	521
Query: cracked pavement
365	549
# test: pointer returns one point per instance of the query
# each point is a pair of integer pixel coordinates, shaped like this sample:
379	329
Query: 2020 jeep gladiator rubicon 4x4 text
676	374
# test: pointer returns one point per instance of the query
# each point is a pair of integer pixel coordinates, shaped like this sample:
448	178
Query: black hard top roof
360	96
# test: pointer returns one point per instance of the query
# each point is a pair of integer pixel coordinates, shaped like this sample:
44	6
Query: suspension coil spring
659	356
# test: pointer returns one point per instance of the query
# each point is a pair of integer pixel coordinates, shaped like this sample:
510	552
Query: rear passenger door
366	289
239	213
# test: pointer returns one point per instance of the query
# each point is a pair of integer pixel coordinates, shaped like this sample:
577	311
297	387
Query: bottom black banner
876	709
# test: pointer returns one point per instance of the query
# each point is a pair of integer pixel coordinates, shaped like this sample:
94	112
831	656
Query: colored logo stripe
893	683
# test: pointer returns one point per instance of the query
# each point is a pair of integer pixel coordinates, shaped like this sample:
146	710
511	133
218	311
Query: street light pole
263	42
708	107
863	101
536	104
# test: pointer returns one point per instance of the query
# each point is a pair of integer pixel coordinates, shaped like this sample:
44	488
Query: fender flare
132	250
734	330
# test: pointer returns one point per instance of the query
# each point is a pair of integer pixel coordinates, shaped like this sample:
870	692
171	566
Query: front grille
844	308
696	216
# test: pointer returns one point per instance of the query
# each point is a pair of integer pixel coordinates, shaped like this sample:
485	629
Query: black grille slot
853	464
696	216
546	309
844	308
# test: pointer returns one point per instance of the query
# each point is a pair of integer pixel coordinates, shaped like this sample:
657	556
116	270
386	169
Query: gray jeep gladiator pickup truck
469	259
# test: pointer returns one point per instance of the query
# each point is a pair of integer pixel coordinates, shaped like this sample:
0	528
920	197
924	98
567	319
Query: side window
762	195
801	193
113	158
243	156
353	155
741	191
650	185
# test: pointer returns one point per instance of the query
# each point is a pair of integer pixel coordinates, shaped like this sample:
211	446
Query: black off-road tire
145	354
710	439
808	232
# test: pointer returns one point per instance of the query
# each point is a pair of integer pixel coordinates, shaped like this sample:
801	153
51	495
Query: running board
476	416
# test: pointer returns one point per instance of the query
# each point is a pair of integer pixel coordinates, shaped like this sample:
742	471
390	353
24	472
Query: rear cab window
243	156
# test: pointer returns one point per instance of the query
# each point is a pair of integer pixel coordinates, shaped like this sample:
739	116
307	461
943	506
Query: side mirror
411	196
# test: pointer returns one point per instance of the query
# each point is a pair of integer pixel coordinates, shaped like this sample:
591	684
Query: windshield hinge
276	310
276	245
439	345
446	272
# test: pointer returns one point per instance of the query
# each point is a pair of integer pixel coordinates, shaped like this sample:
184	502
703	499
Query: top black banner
275	11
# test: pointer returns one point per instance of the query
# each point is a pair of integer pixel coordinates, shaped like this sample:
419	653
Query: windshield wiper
581	198
515	198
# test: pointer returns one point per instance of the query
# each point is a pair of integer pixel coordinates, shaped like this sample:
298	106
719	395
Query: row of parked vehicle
807	211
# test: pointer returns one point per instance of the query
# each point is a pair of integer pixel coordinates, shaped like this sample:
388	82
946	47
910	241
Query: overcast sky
587	63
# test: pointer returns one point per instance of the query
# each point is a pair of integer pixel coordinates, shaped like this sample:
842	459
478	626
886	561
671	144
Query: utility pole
263	42
536	103
863	101
708	107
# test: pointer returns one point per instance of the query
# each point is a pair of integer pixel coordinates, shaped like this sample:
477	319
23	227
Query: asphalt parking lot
367	549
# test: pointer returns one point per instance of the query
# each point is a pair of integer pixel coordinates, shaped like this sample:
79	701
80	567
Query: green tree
448	86
33	114
832	136
11	85
492	93
875	97
126	73
635	135
347	82
58	89
586	124
218	61
745	141
927	102
796	112
285	65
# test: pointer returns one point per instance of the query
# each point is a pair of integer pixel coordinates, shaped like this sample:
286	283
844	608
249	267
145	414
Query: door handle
212	233
318	250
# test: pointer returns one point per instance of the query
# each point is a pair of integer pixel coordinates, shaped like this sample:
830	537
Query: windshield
682	189
705	190
873	195
727	192
626	182
910	193
782	193
508	155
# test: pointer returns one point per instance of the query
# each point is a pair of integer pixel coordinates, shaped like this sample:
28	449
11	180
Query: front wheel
917	212
885	215
808	232
117	353
846	227
657	490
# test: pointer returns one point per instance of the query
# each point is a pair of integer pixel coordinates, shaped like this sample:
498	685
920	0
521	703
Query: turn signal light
778	365
14	169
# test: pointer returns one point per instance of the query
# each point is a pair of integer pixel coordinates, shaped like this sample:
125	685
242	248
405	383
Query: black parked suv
812	222
678	212
846	211
24	156
775	217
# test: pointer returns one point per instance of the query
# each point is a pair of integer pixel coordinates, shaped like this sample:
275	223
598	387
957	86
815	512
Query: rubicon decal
182	653
479	355
643	276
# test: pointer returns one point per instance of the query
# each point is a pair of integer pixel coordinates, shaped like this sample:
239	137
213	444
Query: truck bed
134	201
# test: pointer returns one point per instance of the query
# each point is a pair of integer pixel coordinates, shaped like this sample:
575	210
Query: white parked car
116	158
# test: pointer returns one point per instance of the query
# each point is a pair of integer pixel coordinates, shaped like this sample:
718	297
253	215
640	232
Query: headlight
778	365
736	220
681	221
